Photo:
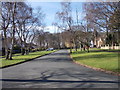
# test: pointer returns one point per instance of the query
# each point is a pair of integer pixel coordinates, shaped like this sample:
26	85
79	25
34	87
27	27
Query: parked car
49	49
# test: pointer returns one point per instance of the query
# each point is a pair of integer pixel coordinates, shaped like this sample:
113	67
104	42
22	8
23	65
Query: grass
21	58
99	59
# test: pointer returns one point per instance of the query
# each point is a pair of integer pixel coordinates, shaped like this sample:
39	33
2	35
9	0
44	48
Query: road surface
55	70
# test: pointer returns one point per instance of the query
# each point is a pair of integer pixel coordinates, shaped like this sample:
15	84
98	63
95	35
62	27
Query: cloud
51	29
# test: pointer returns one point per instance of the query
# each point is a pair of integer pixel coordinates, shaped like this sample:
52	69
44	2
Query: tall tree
13	17
65	16
24	22
100	14
6	15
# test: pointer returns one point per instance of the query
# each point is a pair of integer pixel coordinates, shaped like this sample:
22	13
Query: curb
25	61
96	69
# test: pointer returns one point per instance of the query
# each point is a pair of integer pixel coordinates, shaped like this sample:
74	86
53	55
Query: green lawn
98	59
21	58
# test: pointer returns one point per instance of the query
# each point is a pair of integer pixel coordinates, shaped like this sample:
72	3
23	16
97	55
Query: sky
50	8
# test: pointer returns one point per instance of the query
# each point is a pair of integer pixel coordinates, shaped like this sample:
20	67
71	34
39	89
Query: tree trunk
6	45
22	51
13	29
70	50
80	47
10	54
25	51
75	46
11	50
12	44
7	52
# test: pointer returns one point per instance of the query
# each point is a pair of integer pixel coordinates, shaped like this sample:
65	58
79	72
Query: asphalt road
55	71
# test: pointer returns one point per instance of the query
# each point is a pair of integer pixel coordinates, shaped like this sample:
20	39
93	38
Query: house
99	41
68	44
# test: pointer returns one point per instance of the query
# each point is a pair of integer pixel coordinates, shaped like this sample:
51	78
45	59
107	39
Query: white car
49	49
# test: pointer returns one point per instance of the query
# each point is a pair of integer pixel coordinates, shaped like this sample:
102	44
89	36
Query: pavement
55	70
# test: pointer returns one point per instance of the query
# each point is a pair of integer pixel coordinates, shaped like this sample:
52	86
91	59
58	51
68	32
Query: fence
110	47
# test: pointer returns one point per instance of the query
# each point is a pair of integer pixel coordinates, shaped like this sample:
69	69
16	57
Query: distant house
99	41
68	44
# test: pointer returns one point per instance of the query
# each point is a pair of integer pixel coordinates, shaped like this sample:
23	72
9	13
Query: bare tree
100	14
27	23
19	20
9	19
6	15
13	17
65	16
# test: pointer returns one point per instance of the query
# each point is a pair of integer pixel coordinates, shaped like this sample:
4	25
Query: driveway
55	70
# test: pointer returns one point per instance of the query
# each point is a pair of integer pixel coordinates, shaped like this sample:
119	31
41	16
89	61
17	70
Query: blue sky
50	8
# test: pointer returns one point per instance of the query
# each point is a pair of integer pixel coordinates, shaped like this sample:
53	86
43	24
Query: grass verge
22	58
98	59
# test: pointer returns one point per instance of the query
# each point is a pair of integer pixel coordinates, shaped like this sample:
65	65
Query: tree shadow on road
60	81
62	76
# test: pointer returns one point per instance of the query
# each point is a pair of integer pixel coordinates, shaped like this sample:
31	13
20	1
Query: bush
16	49
3	51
